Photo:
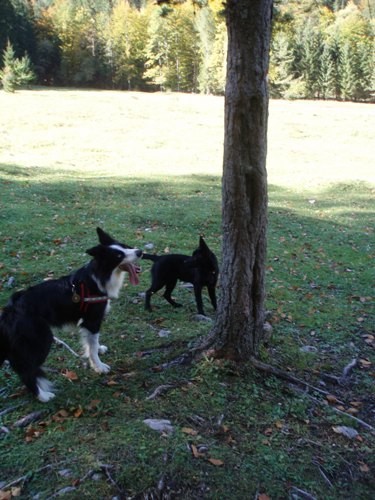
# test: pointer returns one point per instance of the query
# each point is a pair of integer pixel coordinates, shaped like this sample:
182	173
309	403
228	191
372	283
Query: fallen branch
286	376
356	419
298	494
323	474
160	390
106	468
184	359
349	367
64	344
21	479
10	409
31	417
164	388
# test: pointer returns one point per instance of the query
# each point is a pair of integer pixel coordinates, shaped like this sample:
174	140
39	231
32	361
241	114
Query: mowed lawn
147	168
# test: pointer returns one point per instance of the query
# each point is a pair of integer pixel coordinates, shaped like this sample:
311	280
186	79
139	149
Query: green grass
147	169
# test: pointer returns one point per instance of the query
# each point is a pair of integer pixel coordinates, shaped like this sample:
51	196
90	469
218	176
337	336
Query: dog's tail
149	256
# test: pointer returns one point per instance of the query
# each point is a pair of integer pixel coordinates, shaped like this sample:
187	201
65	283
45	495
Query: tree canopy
320	49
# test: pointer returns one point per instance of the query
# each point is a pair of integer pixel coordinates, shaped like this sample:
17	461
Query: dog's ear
203	245
104	238
95	251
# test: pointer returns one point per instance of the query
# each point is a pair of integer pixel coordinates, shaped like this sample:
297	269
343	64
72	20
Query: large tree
238	329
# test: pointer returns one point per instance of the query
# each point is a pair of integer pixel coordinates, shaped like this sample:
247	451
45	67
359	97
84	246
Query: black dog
82	298
201	269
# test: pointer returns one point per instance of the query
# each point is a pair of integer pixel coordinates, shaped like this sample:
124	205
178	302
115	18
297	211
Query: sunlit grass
147	168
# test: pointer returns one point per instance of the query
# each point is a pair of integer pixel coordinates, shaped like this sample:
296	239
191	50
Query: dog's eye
120	256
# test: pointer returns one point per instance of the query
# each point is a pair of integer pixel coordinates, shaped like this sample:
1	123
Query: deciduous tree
238	329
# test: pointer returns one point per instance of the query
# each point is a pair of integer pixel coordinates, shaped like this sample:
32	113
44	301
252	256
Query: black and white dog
82	298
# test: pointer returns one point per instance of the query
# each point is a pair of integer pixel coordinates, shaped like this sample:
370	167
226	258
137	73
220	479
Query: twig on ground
286	376
349	367
323	474
184	359
10	409
356	419
164	388
160	390
64	344
106	468
31	417
21	479
298	493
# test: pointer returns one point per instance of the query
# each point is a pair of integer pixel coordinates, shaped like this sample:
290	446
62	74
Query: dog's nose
139	253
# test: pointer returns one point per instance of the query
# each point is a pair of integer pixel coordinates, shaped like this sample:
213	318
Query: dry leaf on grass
70	375
215	461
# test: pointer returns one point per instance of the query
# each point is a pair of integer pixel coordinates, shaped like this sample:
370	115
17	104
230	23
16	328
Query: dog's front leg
198	298
91	350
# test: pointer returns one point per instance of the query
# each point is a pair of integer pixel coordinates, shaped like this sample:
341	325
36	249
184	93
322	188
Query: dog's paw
101	367
45	396
102	349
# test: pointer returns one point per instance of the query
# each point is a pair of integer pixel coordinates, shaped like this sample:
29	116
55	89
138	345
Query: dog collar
84	298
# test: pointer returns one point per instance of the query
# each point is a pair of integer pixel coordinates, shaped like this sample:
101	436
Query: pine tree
280	65
15	71
347	83
326	81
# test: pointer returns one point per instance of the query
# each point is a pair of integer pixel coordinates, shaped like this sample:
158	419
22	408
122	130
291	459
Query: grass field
146	168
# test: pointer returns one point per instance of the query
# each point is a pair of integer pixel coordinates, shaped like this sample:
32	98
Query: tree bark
238	329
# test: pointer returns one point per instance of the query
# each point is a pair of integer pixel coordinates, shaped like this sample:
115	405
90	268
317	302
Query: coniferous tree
15	71
347	82
326	81
281	59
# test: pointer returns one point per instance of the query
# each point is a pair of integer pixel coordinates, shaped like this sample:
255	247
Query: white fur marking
44	390
90	342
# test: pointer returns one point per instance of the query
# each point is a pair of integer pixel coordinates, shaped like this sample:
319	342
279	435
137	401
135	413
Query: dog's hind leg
44	386
169	287
91	347
36	381
29	353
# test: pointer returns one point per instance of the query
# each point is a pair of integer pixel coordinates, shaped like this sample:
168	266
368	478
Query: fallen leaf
268	431
331	399
78	412
5	494
352	411
364	467
189	431
112	382
263	496
356	404
70	375
215	461
195	451
93	404
365	363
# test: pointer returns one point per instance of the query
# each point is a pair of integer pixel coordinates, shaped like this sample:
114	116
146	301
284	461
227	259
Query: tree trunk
238	329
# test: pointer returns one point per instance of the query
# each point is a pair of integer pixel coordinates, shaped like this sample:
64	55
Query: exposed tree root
199	352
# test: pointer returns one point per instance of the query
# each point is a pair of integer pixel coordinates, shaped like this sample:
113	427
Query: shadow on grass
317	273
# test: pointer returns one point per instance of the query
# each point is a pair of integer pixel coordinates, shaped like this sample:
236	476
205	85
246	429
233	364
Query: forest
321	49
